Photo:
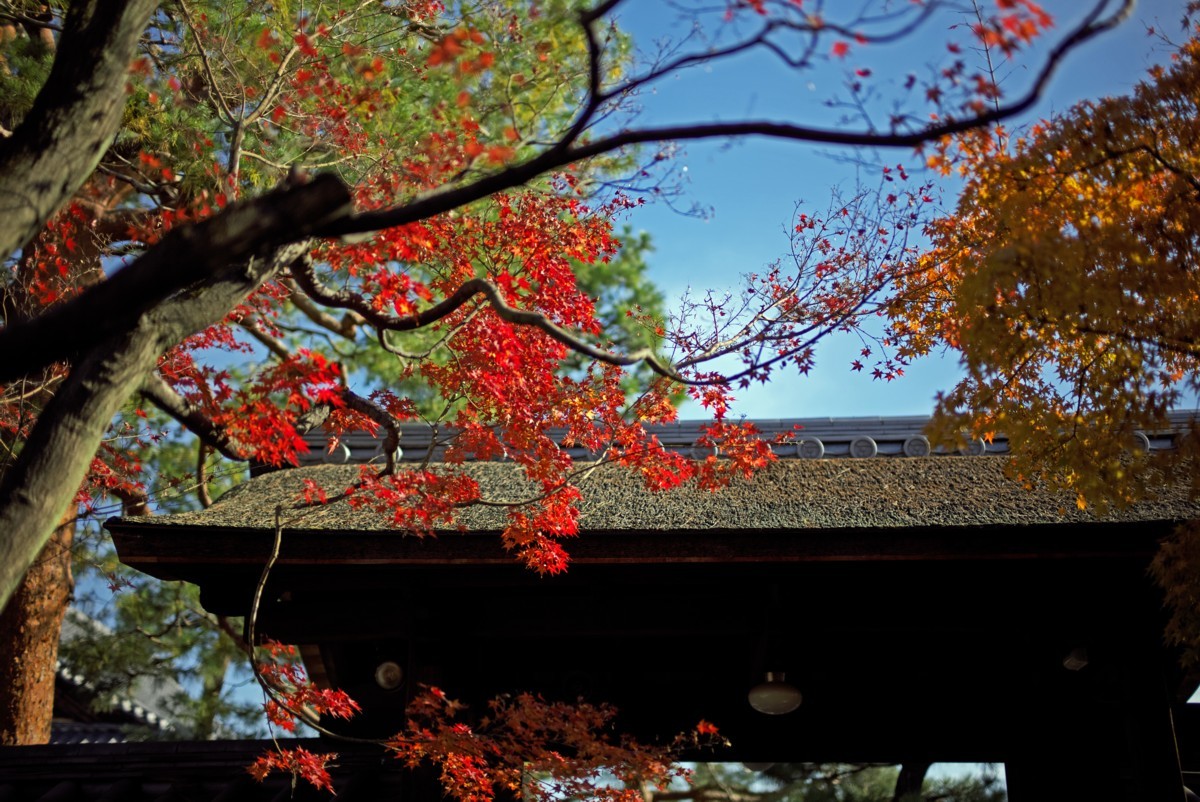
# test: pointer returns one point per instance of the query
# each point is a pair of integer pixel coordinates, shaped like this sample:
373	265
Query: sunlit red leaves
305	43
736	449
660	469
714	398
313	493
508	374
529	248
527	746
533	533
343	420
53	267
452	50
1017	23
328	94
299	762
419	10
62	260
266	39
507	370
447	49
520	745
291	693
116	470
257	414
417	501
499	154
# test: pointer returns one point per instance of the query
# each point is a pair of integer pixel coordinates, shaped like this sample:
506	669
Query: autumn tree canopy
469	194
1066	278
236	217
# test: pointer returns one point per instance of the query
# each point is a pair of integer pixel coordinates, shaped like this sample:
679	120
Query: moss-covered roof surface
791	494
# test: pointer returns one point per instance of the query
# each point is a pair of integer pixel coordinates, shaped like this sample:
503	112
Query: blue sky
750	188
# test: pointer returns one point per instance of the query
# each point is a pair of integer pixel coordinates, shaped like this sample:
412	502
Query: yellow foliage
1068	278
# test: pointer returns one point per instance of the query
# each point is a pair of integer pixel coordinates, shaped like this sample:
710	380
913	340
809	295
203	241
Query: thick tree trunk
74	119
29	630
240	248
910	781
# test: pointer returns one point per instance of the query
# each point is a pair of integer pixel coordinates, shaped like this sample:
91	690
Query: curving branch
412	356
347	326
811	26
202	452
155	390
366	406
255	329
304	275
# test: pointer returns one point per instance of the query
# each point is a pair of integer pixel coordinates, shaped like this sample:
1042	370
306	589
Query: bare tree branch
572	149
202	452
27	21
272	344
347	326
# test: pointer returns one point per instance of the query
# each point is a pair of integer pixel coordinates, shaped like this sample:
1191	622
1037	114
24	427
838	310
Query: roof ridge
810	438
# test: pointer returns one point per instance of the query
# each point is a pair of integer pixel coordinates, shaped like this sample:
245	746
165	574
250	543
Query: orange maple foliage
1066	279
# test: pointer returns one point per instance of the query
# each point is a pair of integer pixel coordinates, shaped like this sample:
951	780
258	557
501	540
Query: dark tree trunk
29	629
74	119
909	782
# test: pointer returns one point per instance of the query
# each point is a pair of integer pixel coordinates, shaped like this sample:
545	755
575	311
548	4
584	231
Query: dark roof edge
157	548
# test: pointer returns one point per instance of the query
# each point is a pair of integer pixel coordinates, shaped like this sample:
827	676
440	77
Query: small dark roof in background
85	714
204	771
